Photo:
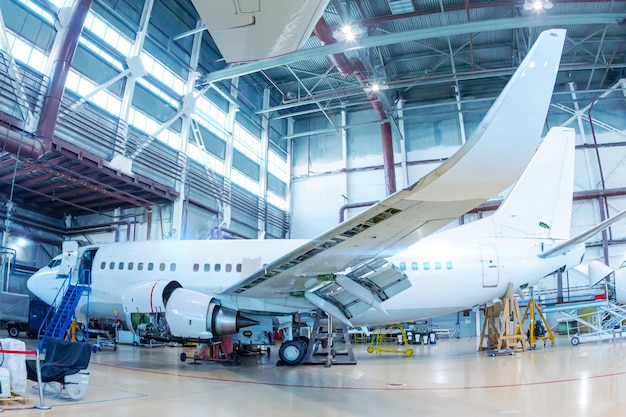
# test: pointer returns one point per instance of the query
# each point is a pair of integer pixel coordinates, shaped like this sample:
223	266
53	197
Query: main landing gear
291	353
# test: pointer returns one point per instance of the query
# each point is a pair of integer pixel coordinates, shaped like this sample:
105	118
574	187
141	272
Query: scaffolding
502	326
538	330
604	322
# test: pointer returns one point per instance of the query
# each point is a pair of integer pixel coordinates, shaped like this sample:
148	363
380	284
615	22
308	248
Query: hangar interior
155	136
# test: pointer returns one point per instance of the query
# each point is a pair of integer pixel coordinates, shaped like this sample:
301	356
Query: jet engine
164	310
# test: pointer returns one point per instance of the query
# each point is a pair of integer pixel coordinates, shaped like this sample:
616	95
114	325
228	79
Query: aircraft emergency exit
384	265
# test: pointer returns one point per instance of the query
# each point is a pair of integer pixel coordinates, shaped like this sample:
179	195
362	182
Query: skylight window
26	53
277	166
38	10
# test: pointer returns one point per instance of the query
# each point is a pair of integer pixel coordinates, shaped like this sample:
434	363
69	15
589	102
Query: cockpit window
54	263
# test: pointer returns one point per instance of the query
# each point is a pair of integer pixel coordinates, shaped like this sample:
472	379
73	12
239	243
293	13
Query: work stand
323	337
502	327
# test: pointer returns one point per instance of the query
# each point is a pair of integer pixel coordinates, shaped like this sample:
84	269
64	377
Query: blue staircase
67	300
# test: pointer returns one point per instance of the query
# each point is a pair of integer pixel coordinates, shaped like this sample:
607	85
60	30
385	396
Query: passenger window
449	265
218	267
140	266
238	267
120	265
437	265
103	265
111	265
414	266
196	267
172	267
402	266
161	266
150	266
426	266
207	267
131	265
229	268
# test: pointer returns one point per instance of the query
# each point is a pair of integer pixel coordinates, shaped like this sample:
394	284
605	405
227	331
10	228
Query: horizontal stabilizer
565	246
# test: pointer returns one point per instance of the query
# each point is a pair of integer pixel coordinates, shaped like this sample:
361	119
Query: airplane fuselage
448	272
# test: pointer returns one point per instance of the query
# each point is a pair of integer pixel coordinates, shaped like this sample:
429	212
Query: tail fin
540	203
511	129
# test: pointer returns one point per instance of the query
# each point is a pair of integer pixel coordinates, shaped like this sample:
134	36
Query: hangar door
491	270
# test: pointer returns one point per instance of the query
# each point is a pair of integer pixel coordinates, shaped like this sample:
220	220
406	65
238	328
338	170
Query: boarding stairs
608	321
64	305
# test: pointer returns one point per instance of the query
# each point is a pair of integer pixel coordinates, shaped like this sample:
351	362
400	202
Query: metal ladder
64	306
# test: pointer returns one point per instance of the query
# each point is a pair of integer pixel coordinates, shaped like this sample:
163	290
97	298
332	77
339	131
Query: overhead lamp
348	33
537	5
375	87
21	242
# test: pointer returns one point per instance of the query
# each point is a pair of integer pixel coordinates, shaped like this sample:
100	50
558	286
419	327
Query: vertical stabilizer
511	129
540	203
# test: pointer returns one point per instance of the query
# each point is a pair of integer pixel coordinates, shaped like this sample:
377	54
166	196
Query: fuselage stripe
151	294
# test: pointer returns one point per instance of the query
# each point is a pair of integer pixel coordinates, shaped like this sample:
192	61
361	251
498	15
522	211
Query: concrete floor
447	379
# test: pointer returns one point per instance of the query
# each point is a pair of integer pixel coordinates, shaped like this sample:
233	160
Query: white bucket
5	383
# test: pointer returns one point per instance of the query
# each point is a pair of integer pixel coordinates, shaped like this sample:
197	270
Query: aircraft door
490	265
69	261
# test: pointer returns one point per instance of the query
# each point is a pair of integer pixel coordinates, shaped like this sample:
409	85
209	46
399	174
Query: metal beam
413	35
432	80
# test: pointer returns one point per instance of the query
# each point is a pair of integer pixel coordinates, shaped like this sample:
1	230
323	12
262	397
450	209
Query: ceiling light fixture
348	33
537	5
375	88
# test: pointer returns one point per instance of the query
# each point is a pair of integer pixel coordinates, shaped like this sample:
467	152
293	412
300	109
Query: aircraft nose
38	285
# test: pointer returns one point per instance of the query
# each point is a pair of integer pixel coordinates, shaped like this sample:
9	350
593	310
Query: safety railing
41	405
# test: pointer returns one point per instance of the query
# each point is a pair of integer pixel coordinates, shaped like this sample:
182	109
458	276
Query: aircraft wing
344	271
250	30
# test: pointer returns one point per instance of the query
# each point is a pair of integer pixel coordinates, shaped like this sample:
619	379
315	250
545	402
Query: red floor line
403	388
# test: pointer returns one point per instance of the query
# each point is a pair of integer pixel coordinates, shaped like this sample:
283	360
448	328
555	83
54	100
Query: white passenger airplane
384	265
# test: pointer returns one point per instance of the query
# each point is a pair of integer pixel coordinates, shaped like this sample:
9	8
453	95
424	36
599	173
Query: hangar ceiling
427	53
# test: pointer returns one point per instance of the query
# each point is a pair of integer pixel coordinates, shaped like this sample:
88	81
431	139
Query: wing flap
377	276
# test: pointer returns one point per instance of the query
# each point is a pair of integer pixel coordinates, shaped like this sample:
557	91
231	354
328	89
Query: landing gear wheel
269	351
370	349
292	352
183	357
13	330
575	341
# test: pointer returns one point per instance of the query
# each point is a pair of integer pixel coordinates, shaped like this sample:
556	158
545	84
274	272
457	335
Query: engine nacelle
163	309
148	297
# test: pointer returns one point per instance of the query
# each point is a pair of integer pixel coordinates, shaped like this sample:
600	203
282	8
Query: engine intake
188	314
